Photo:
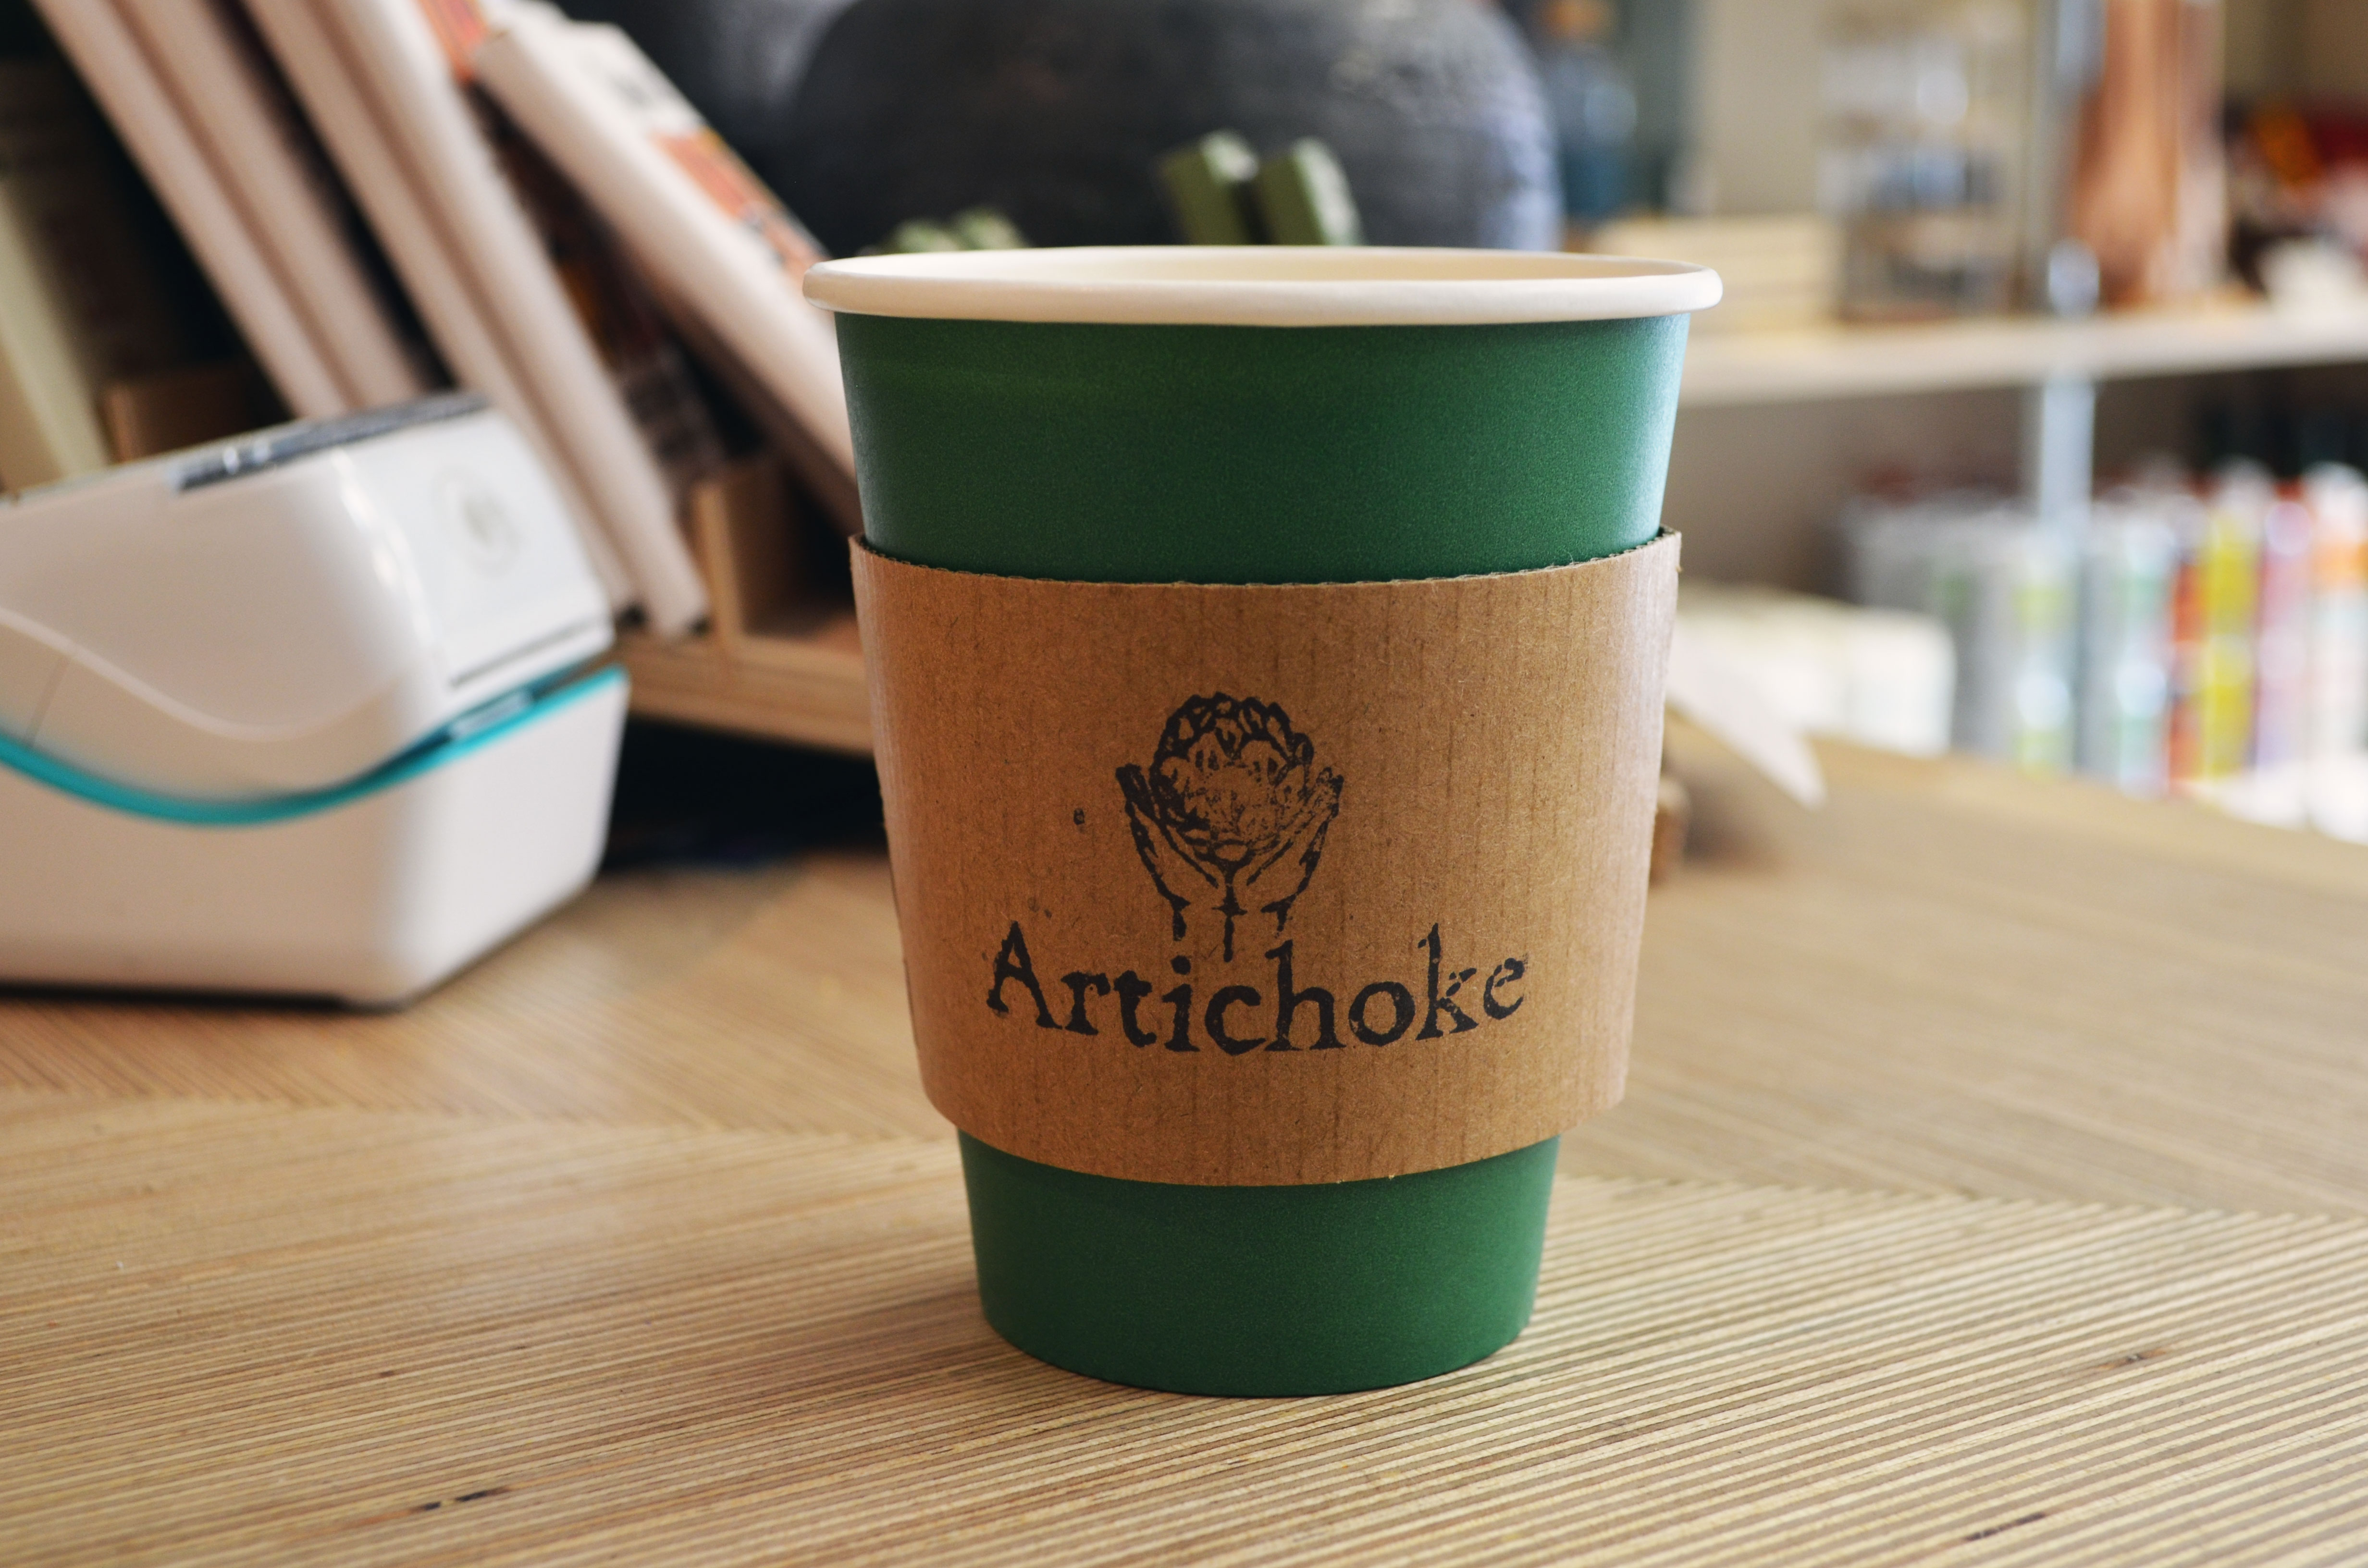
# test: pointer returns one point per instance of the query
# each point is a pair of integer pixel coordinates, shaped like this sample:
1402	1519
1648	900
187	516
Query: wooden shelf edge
1812	364
782	689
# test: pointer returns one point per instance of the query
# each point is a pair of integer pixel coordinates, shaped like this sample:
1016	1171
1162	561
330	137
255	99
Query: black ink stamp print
1233	806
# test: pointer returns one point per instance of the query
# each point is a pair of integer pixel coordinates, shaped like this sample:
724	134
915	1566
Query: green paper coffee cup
1260	415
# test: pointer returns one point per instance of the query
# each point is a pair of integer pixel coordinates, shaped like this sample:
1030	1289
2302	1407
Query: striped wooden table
1991	1189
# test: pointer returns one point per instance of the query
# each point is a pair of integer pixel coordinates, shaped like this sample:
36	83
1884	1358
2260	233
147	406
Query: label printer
310	712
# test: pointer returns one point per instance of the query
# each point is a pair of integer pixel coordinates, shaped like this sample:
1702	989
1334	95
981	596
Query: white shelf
1730	370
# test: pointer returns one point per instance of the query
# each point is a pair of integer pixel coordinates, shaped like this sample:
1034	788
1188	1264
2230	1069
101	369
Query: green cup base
1259	1291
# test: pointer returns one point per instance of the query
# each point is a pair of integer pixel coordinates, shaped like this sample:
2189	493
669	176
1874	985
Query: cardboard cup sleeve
1269	885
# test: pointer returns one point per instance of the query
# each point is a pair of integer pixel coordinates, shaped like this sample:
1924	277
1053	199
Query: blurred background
2043	319
2029	426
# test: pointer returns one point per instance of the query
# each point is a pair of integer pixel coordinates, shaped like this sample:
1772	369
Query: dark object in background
694	796
1057	112
1207	182
739	61
1594	108
21	34
2289	421
980	228
1649	44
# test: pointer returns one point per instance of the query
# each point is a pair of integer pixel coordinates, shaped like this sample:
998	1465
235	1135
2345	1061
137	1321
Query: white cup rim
1261	286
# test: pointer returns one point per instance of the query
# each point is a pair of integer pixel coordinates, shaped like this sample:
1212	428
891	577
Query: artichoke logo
1232	807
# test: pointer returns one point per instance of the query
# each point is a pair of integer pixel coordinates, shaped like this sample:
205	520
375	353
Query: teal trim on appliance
471	733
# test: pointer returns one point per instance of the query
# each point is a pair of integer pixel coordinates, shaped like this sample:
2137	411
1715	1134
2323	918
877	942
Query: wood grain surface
770	998
1990	1189
243	1333
1951	980
1957	981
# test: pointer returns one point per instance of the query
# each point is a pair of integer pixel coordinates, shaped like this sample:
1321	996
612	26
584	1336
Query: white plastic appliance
301	713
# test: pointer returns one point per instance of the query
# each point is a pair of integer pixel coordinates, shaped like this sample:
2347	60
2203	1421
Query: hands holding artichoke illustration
1233	807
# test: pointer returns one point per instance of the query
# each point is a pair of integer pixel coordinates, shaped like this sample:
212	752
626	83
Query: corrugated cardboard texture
1254	885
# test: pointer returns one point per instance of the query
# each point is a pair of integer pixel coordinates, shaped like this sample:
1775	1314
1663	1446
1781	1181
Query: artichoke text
1238	1020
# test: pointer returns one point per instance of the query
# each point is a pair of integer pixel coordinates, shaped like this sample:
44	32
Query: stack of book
96	357
387	197
2206	637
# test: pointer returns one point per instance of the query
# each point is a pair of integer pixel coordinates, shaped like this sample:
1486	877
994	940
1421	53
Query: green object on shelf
1208	188
1304	198
976	228
1230	454
915	235
985	228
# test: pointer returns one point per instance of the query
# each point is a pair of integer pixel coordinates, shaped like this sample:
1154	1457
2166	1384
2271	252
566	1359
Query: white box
369	893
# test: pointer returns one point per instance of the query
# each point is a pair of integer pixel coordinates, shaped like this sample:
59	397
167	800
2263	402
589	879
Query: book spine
2338	499
2227	598
2038	566
80	302
703	226
407	71
288	200
112	63
48	406
2282	637
298	38
2124	666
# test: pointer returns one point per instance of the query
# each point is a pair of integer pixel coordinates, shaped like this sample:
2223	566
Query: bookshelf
778	656
1738	369
801	681
795	672
228	121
